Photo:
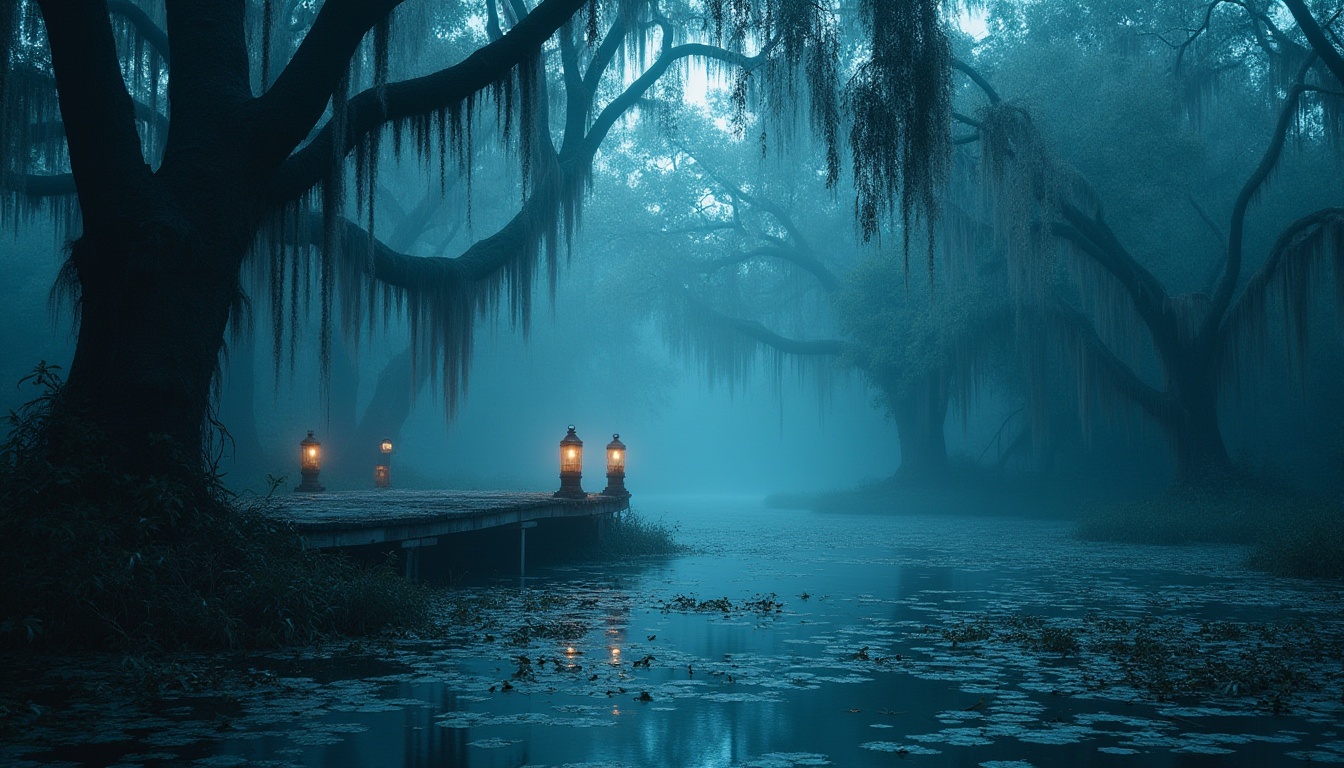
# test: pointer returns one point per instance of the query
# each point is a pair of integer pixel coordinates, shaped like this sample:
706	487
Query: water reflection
873	657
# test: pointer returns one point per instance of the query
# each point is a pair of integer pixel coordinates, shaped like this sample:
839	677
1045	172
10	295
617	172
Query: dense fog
975	364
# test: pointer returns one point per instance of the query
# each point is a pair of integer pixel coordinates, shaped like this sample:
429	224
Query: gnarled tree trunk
920	413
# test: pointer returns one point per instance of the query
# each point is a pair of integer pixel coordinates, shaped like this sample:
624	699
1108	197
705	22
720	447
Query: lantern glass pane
571	459
312	457
615	460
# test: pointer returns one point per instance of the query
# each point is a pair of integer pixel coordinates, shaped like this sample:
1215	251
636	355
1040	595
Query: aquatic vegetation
975	653
1166	657
1294	533
761	604
631	534
1311	547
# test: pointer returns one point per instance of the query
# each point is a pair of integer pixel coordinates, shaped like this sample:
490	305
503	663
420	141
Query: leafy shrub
95	557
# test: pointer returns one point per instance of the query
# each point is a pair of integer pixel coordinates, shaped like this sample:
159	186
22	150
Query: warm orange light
571	454
616	469
387	446
310	455
571	466
616	456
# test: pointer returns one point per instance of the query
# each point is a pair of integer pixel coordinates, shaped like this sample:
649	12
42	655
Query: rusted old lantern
382	471
310	464
616	468
571	466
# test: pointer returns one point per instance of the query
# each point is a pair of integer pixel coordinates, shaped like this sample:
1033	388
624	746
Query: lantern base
616	487
570	488
309	484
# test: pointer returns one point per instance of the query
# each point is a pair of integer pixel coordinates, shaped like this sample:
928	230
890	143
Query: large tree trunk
153	305
920	413
1196	438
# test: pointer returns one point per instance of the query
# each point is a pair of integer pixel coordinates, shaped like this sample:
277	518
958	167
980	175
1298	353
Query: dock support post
413	564
522	547
412	549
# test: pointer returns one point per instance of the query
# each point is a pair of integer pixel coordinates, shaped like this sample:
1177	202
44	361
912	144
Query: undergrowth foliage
95	558
632	534
1293	533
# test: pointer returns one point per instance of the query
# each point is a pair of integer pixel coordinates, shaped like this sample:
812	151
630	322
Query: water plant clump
1293	533
759	604
97	558
1166	658
632	534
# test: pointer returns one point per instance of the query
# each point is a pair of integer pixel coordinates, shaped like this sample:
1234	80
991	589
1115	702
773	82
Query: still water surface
847	640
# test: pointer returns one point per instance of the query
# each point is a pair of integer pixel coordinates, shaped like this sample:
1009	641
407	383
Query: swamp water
788	638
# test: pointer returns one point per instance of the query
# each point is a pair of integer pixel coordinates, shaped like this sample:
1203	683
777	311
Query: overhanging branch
372	108
757	332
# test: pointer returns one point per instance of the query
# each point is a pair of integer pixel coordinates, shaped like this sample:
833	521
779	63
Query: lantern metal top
309	440
616	444
570	438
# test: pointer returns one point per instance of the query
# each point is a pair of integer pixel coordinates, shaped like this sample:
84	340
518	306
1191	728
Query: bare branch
149	31
369	110
295	101
1096	240
1253	296
757	332
1316	36
978	79
1219	237
36	186
1117	374
1236	231
96	108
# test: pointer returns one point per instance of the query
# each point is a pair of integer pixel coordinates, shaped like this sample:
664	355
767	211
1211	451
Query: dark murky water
943	641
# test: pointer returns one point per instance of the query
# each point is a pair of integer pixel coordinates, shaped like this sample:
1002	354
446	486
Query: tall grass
630	534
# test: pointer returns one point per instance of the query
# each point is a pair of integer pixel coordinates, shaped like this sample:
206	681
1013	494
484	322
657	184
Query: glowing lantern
310	464
571	466
382	471
616	468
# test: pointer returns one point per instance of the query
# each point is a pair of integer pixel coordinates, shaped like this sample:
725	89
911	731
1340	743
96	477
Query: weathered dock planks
357	518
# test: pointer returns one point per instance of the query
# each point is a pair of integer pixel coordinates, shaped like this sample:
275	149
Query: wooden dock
412	520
